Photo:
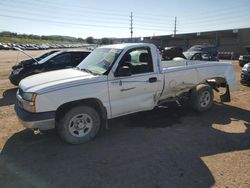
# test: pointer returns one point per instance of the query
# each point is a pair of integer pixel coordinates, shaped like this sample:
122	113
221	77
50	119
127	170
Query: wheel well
92	102
220	82
217	81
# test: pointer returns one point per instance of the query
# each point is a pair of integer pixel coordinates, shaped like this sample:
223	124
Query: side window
77	57
138	60
62	59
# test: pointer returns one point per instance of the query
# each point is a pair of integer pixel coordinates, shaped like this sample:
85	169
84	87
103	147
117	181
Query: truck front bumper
42	120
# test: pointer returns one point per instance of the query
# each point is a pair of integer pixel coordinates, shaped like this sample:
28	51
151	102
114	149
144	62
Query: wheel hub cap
205	99
80	125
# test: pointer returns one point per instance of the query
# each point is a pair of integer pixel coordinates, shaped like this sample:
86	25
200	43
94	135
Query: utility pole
131	27
175	21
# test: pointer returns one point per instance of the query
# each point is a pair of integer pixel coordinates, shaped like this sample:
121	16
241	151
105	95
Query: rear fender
219	82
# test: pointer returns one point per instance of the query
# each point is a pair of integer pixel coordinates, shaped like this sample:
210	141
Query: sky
111	18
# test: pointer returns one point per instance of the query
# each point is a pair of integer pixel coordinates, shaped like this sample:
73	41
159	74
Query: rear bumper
42	121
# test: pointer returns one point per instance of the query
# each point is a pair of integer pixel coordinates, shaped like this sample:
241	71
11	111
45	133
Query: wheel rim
80	125
205	99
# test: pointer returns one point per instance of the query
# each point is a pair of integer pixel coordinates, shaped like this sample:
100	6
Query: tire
202	98
79	124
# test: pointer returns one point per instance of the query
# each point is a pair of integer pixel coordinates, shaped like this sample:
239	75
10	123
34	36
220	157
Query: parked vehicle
198	55
245	74
244	59
171	52
4	46
114	81
33	60
53	60
210	49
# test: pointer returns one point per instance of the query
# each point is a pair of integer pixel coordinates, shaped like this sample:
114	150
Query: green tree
106	41
90	40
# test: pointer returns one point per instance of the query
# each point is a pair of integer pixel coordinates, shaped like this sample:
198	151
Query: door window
62	59
138	60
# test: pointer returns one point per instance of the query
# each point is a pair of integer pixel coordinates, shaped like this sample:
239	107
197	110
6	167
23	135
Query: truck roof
125	45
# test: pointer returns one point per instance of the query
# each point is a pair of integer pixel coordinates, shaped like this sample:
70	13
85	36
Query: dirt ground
166	147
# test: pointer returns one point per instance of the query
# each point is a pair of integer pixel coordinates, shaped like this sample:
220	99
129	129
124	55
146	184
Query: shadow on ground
129	154
9	97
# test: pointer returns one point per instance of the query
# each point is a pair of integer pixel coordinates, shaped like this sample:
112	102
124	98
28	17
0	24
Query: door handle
152	79
127	89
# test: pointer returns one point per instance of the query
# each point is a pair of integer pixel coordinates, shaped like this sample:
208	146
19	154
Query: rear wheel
78	125
202	98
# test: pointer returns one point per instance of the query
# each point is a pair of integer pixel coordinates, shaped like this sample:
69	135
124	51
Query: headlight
29	97
17	71
27	100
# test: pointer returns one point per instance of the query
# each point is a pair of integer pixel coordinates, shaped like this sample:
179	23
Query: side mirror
123	71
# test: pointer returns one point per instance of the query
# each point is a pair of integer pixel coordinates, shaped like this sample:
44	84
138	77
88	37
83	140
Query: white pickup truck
114	81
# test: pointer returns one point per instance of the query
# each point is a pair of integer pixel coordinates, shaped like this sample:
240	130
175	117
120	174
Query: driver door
136	91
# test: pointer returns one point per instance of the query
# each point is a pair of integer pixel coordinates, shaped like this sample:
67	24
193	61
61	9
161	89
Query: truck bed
181	76
184	63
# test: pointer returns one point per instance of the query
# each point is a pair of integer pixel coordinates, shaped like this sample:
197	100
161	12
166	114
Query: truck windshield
100	60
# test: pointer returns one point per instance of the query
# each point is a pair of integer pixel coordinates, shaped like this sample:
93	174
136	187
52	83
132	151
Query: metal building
233	40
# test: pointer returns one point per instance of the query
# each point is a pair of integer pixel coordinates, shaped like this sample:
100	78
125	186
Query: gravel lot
167	147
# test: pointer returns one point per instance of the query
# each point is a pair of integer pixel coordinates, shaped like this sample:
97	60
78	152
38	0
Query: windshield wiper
88	71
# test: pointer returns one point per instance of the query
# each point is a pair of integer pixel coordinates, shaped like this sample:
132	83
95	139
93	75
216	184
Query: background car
245	74
199	55
171	52
210	49
56	60
243	59
30	61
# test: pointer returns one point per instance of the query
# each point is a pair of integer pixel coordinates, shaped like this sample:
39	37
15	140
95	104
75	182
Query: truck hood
55	80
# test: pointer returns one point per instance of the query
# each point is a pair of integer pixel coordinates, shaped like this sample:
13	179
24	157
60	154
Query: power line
216	15
62	17
221	19
157	23
68	10
84	8
141	26
117	19
225	8
143	20
66	23
51	7
81	7
102	20
58	22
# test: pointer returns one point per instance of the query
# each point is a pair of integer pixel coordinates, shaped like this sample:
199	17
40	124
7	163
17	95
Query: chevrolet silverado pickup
114	81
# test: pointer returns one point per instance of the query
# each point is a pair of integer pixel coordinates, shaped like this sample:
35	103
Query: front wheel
202	98
78	125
